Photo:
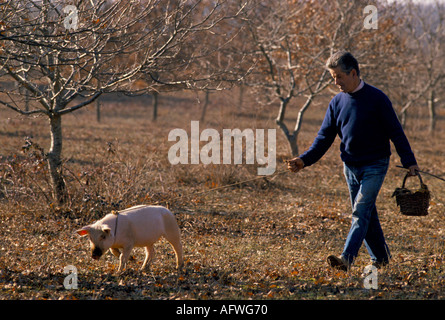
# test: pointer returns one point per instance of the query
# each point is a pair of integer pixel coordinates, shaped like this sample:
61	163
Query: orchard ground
267	238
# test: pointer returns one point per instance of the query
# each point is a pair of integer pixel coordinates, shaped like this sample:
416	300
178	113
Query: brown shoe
338	263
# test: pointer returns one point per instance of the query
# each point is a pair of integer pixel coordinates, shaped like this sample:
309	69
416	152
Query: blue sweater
365	121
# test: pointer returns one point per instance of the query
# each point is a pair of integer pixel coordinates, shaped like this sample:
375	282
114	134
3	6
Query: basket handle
408	175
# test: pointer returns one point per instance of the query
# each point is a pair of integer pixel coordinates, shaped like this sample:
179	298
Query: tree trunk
432	112
98	110
292	137
403	117
54	159
300	121
155	106
204	108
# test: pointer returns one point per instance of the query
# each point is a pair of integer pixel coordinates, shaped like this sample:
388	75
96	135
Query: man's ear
84	231
354	73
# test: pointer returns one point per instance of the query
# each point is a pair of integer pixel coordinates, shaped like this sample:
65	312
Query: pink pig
139	226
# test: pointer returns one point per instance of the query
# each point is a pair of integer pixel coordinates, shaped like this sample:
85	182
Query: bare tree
283	70
292	41
65	54
424	74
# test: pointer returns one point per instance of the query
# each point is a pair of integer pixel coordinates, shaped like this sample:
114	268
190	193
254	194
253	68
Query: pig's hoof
144	269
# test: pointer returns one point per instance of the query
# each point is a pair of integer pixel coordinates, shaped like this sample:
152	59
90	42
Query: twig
424	173
191	194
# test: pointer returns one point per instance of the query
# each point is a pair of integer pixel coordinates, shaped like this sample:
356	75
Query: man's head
344	69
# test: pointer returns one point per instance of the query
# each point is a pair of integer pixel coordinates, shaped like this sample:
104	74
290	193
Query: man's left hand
414	170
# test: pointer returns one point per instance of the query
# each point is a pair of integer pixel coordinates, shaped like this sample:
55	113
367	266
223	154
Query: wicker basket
413	203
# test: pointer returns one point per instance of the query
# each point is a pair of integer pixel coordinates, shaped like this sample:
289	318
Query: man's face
345	82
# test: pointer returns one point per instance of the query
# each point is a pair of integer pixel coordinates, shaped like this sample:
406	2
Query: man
363	117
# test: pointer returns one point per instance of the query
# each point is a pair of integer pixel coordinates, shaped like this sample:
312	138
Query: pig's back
147	223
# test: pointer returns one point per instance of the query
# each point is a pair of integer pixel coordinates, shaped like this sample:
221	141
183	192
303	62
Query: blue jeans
364	184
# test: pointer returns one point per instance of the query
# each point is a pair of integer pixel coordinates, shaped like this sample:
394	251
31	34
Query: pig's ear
84	231
107	230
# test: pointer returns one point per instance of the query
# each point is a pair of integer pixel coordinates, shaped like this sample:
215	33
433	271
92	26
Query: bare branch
80	105
23	112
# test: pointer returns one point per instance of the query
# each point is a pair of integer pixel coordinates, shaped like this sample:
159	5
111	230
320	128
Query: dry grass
264	239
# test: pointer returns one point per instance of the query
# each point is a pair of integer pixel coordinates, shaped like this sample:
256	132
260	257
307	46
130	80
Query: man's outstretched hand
295	164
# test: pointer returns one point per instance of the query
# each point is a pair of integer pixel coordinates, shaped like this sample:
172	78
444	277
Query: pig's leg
177	246
149	253
124	258
115	252
174	237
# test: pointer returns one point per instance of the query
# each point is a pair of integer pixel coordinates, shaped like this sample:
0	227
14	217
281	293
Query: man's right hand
295	164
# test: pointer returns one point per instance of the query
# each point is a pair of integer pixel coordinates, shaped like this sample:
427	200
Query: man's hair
345	60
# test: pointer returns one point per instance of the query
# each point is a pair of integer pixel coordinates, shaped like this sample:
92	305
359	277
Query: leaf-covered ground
262	239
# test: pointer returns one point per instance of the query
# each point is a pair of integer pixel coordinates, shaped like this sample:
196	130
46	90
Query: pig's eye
102	237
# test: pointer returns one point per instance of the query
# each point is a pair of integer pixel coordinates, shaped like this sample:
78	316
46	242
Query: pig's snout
96	253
